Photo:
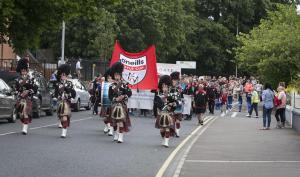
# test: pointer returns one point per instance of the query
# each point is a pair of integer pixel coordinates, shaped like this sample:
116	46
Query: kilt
126	120
64	110
164	120
24	109
200	110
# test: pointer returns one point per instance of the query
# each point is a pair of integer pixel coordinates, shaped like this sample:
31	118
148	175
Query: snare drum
104	94
179	108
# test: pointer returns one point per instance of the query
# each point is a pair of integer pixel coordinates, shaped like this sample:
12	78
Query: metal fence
45	68
90	68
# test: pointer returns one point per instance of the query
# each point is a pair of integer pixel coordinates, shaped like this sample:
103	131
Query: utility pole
237	33
63	43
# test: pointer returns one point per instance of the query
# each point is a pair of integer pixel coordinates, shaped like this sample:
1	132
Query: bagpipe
176	96
26	87
65	90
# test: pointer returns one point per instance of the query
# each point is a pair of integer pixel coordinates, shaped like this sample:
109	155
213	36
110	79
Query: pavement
236	147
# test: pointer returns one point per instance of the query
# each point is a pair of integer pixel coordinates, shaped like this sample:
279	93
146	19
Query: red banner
139	68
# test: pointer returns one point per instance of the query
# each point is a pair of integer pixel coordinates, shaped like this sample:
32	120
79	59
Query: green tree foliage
23	21
198	30
272	50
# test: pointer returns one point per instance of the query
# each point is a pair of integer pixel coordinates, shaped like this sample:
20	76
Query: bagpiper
119	92
177	94
64	92
166	106
25	88
106	104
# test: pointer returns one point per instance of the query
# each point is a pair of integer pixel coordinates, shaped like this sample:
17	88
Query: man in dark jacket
211	95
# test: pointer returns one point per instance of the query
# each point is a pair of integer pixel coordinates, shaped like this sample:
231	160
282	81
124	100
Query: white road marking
234	114
240	161
182	160
49	125
165	165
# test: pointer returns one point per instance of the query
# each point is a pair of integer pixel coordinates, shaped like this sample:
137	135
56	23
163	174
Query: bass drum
105	101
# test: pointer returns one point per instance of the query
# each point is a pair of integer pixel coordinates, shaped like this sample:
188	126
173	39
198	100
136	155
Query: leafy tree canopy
272	50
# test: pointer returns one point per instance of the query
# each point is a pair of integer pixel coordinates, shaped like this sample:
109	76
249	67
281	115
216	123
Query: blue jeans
267	117
218	104
240	102
248	97
229	102
253	106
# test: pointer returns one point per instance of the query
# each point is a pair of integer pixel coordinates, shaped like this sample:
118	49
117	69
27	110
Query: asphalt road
86	152
227	146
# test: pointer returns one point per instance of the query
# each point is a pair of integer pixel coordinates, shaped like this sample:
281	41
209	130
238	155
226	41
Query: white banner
187	104
187	64
167	69
141	100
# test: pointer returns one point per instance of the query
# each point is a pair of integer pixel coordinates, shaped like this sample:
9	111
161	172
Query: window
3	86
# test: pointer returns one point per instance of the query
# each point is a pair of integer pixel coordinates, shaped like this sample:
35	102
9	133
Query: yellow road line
165	165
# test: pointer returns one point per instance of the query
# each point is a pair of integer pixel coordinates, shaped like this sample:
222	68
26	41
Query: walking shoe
24	129
256	116
63	133
176	132
200	122
106	129
166	142
120	138
248	115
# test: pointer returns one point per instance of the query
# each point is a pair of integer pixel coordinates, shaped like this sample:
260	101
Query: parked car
51	85
42	101
7	103
82	99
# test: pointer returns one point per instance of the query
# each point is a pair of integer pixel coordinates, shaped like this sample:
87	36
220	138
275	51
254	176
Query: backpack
277	101
200	99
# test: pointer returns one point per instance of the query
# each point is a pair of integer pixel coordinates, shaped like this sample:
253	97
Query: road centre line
167	162
183	158
50	125
234	114
240	161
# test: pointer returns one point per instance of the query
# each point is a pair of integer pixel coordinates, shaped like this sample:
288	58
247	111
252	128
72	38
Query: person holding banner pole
119	92
166	106
176	93
190	91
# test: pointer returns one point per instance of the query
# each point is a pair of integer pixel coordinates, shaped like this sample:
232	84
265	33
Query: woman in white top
280	109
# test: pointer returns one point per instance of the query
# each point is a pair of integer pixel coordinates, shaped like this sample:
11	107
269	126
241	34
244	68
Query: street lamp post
63	43
237	33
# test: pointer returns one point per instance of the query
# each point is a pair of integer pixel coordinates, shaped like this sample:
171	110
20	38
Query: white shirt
60	62
78	66
258	87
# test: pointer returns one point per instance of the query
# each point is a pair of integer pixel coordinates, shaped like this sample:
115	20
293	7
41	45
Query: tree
272	50
23	21
89	34
146	22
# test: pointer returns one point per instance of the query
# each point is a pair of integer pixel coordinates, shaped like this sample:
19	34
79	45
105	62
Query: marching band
109	96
